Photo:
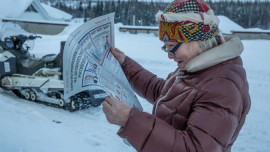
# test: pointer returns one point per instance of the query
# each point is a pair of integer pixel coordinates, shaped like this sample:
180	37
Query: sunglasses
171	52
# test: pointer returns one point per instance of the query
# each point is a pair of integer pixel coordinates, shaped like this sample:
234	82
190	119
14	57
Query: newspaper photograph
89	65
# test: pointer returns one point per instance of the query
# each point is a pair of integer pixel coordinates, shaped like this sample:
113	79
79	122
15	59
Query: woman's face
184	53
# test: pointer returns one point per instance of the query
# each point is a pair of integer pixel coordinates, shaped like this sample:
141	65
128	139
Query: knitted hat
188	20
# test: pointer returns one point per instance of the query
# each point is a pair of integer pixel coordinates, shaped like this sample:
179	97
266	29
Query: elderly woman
202	105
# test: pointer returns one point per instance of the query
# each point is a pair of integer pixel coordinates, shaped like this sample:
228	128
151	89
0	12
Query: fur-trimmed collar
231	48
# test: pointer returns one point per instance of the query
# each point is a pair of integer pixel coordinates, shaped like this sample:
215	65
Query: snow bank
226	25
255	30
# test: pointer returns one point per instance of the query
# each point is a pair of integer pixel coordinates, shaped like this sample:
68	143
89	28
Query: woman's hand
117	112
119	55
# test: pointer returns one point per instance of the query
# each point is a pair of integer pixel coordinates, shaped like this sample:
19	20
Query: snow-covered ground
29	127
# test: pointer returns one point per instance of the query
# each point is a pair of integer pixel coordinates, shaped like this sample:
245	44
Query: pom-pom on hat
188	20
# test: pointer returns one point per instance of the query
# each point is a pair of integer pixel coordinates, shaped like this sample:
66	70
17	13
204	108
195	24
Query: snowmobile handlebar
16	42
24	37
32	37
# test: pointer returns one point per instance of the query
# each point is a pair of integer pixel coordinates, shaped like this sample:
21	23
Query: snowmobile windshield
28	45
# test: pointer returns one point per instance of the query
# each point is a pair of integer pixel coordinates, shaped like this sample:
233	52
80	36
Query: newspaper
89	65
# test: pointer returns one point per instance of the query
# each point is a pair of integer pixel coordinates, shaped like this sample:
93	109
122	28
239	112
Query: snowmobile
39	79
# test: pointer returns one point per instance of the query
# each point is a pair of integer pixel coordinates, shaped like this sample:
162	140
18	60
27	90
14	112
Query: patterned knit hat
188	20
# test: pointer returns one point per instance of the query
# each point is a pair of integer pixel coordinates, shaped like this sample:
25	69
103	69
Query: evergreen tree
248	14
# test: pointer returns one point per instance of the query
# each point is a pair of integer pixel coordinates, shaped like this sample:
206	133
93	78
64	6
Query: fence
243	35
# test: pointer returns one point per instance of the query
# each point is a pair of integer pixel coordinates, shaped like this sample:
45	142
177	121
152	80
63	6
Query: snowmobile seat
49	60
30	66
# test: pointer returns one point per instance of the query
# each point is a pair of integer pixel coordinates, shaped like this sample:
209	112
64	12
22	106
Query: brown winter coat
201	111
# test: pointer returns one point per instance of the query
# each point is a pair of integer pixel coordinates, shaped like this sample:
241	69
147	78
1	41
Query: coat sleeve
213	120
144	83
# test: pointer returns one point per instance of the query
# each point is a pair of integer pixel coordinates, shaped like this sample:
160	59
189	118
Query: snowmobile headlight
9	43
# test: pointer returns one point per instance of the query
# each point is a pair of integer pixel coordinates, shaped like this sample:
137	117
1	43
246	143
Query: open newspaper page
89	65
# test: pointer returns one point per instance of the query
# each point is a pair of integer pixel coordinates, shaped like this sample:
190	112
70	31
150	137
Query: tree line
247	14
131	12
